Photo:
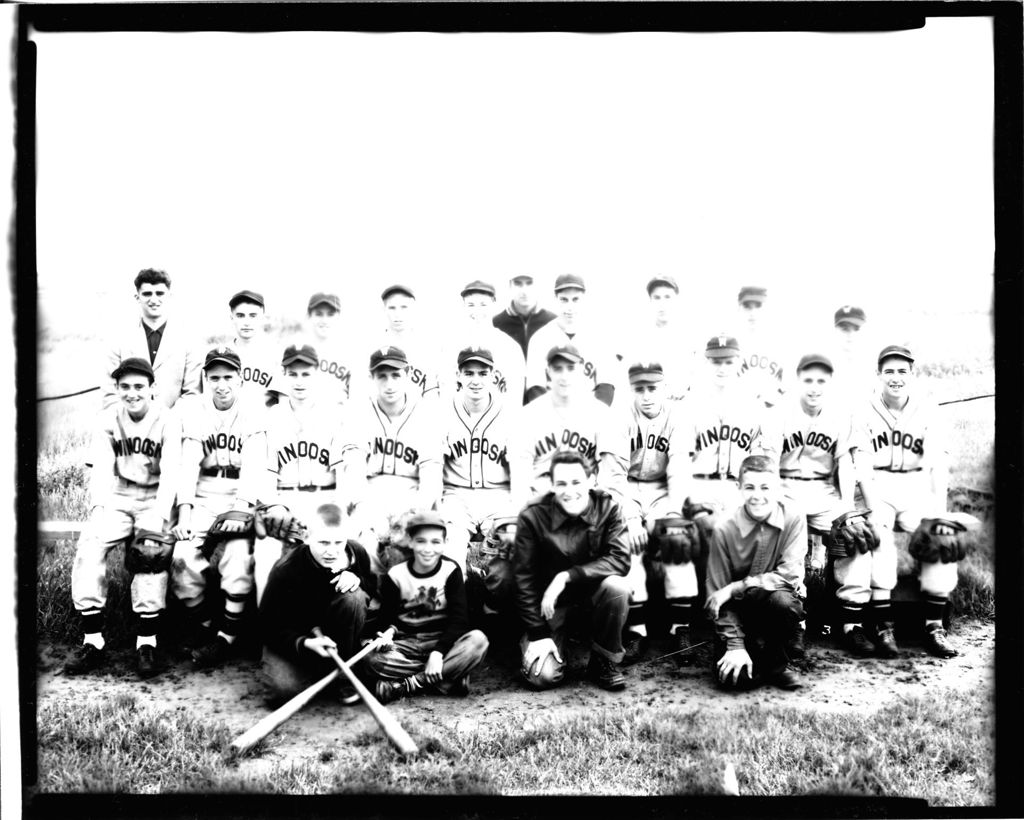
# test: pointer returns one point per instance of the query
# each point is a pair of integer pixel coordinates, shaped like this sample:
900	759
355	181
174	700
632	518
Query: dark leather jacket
590	547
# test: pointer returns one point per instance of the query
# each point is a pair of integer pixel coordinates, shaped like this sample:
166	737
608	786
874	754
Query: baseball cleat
795	647
605	673
788	678
938	643
858	643
211	654
460	688
681	645
145	661
388	691
635	647
86	658
885	641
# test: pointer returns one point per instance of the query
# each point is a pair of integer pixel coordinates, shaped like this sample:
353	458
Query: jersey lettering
392	447
568	438
726	434
899	439
222	441
653	442
814	439
136	445
254	374
478	446
303	449
339	371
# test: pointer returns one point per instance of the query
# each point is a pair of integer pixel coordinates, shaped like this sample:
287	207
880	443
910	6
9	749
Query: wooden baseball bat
387	722
260	730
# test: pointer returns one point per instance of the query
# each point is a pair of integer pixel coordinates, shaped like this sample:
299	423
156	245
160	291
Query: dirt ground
833	681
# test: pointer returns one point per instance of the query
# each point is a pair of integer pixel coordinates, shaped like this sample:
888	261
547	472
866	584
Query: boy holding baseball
426	642
324	583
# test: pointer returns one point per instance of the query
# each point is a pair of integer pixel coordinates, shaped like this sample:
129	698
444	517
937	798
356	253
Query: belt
891	470
729	476
804	478
127	482
224	472
308	488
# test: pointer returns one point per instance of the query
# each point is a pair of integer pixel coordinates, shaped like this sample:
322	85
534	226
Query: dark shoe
635	646
388	691
605	673
145	661
460	688
938	644
211	654
681	645
86	658
795	648
788	678
885	641
858	642
348	695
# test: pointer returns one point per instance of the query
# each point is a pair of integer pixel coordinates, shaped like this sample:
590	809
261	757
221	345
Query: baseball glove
275	521
931	547
675	540
393	546
852	533
149	551
703	515
217	533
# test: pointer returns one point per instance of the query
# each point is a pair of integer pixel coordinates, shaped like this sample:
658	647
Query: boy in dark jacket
323	583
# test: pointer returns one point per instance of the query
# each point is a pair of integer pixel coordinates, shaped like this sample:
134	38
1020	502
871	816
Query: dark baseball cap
133	365
300	353
722	347
329	299
819	359
476	354
519	276
427	518
568	352
388	357
662	281
895	350
569	280
851	314
223	355
752	293
641	372
246	296
392	289
478	286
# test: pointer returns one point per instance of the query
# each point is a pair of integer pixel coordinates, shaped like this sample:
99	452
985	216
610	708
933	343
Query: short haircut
570	457
152	276
758	464
329	514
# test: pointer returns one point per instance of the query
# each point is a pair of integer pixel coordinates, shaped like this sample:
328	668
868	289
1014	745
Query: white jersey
304	447
902	442
653	442
261	362
600	364
476	448
394	446
675	351
728	427
509	365
765	365
586	427
811	446
424	368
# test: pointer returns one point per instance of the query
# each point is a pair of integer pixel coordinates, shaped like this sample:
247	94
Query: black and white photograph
511	409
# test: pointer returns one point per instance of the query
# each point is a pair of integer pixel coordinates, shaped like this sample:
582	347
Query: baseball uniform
509	369
764	367
261	361
600	365
424	368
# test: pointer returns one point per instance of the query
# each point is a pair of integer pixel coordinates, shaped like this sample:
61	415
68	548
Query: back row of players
410	428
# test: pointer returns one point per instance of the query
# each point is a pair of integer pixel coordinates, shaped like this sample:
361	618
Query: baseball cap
133	364
569	280
427	518
895	350
568	352
721	347
662	281
476	354
388	357
478	286
851	314
645	372
519	276
388	291
815	358
223	355
246	296
319	298
752	293
303	353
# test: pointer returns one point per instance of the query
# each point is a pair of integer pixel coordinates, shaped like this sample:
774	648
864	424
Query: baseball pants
770	620
649	500
608	601
820	501
408	656
343	621
125	513
721	493
465	510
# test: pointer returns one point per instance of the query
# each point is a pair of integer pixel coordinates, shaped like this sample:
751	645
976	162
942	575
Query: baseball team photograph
521	414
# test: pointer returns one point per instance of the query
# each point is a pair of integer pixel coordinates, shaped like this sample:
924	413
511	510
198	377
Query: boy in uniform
323	314
135	459
427	644
762	354
755	582
400	313
216	426
324	582
259	361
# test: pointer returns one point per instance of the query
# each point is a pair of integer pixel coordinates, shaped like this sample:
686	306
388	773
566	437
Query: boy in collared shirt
755	582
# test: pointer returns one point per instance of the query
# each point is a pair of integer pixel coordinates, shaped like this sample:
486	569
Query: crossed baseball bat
387	722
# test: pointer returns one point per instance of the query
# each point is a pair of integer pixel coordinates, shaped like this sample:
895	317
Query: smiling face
247	317
475	378
565	377
760	493
479	308
570	307
327	546
895	375
571	486
390	384
724	369
649	398
814	383
222	381
398	310
427	548
323	319
136	392
300	382
152	300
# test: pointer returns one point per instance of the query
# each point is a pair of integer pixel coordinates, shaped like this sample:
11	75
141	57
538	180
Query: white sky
832	168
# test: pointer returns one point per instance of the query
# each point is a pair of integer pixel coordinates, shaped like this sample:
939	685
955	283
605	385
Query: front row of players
675	512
